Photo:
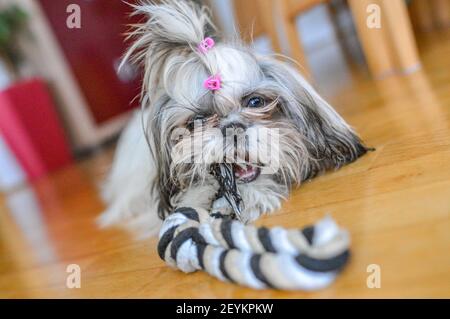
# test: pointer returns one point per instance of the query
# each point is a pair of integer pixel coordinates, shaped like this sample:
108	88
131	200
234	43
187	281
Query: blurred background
384	65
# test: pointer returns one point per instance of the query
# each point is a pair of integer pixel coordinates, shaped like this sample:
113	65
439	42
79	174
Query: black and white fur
146	182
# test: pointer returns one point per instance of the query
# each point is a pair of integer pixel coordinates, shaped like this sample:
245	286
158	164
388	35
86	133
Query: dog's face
265	118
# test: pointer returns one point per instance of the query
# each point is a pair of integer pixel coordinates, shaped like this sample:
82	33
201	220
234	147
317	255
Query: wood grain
395	202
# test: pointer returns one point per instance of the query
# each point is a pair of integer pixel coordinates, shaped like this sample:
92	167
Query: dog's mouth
245	173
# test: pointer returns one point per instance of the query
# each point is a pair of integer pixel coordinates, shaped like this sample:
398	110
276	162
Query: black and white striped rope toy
292	259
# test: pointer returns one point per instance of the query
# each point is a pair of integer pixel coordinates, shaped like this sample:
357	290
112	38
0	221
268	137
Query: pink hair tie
213	83
206	45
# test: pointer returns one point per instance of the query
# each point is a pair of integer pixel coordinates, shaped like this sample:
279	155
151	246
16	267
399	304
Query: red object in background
31	128
94	50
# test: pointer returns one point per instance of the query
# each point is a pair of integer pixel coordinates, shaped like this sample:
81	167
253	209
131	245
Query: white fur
127	189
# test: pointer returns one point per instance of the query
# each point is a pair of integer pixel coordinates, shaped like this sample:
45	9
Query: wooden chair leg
398	25
293	38
441	12
421	15
374	41
265	11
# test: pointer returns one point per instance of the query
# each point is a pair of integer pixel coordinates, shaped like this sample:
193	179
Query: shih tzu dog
205	103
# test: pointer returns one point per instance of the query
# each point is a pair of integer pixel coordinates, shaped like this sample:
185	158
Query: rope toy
279	258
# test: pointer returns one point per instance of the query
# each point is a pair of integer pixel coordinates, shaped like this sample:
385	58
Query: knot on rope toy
257	257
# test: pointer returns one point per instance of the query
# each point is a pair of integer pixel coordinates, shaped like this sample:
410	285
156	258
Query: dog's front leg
222	207
201	196
205	196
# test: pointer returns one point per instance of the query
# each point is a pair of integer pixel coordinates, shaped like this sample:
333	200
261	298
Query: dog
196	90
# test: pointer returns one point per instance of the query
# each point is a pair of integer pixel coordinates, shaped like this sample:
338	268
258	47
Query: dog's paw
221	207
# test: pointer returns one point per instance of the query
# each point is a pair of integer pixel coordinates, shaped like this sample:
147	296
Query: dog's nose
236	127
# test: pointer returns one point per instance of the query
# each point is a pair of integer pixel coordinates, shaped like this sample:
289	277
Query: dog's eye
255	101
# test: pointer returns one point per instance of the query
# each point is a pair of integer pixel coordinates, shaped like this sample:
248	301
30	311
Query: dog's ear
172	28
330	141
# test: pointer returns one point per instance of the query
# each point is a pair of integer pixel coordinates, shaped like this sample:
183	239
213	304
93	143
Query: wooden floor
395	202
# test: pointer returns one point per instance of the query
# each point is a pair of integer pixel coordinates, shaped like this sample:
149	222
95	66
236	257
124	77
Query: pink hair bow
206	45
213	83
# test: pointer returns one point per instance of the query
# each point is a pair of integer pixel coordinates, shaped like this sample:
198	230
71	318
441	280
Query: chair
388	49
